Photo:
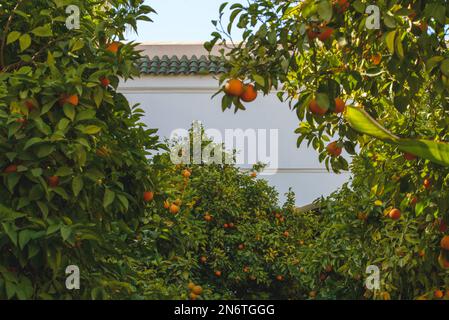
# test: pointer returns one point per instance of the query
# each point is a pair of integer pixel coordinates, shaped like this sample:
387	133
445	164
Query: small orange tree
72	151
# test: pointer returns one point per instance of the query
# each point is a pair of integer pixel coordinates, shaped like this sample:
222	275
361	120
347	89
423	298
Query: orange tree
73	153
213	226
380	89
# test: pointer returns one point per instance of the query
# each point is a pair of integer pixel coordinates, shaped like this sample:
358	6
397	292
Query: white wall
173	102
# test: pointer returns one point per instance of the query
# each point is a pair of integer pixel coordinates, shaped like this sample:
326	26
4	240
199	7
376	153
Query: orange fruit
70	99
279	278
394	214
105	82
316	109
438	294
203	259
325	33
249	93
241	246
341	5
234	87
197	290
444	243
174	209
376	59
339	105
312	294
207	217
427	184
231	225
442	261
413	201
186	173
218	273
253	174
421	253
442	227
226	226
166	204
191	285
113	47
53	181
11	168
333	149
286	234
148	196
409	156
193	296
246	269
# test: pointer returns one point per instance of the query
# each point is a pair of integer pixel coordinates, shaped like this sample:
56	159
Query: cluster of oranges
195	291
236	88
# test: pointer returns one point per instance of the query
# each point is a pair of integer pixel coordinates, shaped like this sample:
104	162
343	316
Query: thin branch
5	32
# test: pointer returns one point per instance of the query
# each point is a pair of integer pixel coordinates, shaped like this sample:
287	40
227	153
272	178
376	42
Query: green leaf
259	80
66	231
64	172
24	238
25	42
12	36
445	67
109	197
32	142
361	121
77	185
91	129
43	31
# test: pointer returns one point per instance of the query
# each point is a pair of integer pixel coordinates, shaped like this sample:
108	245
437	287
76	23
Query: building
175	89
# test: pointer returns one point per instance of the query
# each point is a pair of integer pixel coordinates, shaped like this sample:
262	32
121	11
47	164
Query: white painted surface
173	102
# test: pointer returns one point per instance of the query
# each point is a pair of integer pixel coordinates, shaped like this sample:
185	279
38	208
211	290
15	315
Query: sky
180	20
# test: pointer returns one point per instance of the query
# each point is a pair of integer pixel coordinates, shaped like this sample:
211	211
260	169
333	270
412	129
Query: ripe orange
11	168
218	273
241	246
148	196
207	217
438	294
333	149
203	259
197	290
427	184
234	87
226	226
311	33
231	225
409	156
113	47
339	105
394	214
442	261
279	278
376	59
413	201
53	181
193	296
249	93
325	33
253	174
174	209
191	285
246	269
341	5
286	234
316	109
444	243
105	82
186	173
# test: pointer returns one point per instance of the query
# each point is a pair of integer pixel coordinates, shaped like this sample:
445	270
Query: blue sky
180	20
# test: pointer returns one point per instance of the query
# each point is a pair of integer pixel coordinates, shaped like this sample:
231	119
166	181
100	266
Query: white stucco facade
174	102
